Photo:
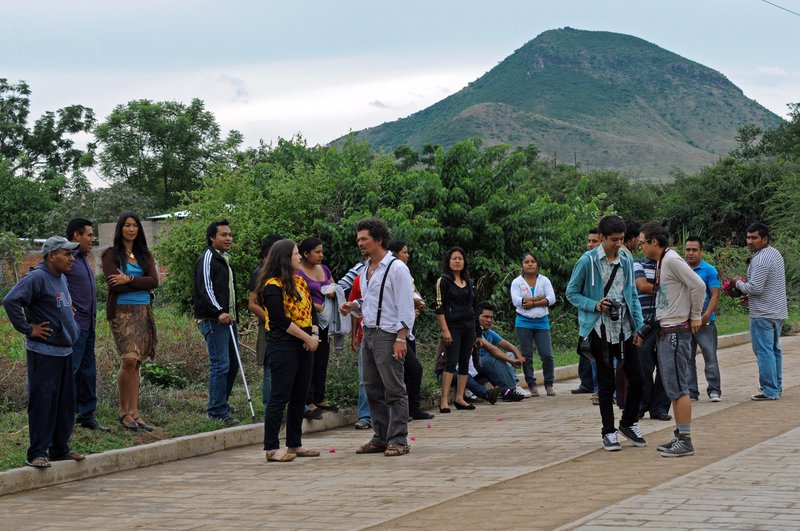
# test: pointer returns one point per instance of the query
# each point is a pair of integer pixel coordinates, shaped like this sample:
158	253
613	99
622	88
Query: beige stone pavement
456	462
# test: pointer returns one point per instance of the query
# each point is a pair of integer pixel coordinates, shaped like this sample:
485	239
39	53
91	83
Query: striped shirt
766	285
646	268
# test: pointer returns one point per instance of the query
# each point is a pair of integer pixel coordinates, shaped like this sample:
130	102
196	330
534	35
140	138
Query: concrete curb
26	478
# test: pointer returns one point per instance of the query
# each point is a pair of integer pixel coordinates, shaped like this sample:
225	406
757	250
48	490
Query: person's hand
400	348
695	324
331	295
311	343
603	305
225	318
517	362
41	331
419	304
354	344
119	278
637	340
447	338
346	308
480	342
527	303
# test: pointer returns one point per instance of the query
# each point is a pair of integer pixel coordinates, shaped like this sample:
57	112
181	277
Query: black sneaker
666	446
92	424
610	442
761	397
493	394
680	448
512	395
633	434
230	421
313	414
420	415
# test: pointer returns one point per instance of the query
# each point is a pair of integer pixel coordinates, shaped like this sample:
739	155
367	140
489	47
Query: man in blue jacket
40	307
603	289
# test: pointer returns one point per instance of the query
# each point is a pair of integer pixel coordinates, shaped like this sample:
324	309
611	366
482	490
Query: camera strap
610	280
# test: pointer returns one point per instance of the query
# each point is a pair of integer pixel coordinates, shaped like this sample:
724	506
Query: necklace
131	255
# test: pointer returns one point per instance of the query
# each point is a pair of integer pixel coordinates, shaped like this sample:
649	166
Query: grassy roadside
181	353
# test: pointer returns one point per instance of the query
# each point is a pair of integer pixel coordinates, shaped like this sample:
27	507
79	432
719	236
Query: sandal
142	424
70	456
534	391
282	458
128	425
550	391
303	452
370	448
38	462
394	450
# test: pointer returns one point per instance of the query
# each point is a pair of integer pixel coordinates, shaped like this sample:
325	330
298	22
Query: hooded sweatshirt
40	296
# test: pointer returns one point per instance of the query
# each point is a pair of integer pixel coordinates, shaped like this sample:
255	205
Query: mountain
604	99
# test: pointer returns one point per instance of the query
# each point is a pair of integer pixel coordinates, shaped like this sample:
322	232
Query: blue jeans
500	373
765	337
527	336
291	366
84	371
706	339
363	404
224	365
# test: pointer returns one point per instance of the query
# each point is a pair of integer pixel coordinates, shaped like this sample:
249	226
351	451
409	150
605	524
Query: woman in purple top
316	275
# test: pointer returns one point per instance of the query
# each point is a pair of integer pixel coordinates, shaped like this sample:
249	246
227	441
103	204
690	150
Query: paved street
533	464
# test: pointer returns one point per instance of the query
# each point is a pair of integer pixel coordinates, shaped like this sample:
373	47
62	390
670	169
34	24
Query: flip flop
39	462
370	448
69	456
303	452
285	458
394	450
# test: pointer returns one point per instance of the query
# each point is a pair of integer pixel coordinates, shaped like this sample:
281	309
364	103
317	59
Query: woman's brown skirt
134	330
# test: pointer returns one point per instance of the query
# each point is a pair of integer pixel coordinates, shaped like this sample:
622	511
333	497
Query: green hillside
606	99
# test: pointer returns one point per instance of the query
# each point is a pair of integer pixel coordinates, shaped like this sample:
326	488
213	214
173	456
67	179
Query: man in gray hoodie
40	307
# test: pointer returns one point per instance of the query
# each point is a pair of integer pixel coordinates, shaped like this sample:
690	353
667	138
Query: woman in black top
456	310
292	338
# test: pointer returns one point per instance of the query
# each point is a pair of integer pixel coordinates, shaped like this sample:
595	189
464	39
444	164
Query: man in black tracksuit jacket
215	309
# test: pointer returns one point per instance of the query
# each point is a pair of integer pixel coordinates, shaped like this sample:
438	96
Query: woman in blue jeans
531	294
292	338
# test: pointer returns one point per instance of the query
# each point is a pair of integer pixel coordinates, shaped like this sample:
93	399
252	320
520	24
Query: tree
162	149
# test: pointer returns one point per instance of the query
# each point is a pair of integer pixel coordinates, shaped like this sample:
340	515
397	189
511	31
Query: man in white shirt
387	307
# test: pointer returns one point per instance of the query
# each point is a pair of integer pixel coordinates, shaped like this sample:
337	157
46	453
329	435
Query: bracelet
398	340
314	333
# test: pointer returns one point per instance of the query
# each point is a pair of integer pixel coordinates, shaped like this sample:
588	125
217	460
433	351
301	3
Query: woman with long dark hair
316	275
132	274
292	338
531	294
456	310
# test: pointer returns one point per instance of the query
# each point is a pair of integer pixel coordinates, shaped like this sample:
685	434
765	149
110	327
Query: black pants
460	349
51	405
607	381
290	366
319	374
585	374
412	375
654	398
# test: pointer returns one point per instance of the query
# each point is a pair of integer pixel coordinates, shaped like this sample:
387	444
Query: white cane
241	368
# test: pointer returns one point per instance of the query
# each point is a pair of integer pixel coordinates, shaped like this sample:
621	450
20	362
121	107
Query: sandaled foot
303	452
69	456
38	462
394	450
534	391
129	424
550	391
279	456
142	424
370	448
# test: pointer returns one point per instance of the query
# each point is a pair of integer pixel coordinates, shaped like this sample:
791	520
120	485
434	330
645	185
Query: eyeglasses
642	242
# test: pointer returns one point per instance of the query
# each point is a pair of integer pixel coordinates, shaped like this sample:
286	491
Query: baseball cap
53	243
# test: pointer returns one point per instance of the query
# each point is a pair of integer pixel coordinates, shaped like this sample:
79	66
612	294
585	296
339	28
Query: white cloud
774	71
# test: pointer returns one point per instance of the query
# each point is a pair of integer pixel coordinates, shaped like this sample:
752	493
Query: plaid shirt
623	324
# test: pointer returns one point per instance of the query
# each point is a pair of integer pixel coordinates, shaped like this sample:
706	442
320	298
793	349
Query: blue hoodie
40	296
585	290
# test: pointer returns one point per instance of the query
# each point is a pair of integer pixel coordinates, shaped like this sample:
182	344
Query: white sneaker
714	397
523	392
611	443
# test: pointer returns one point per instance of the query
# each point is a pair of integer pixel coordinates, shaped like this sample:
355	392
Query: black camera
650	326
613	312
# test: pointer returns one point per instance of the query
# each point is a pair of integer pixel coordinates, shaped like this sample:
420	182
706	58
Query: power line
781	7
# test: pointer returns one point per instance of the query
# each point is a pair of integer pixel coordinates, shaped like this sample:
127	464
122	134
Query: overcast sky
321	67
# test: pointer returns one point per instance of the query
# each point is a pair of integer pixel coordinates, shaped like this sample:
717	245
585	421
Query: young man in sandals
40	307
387	308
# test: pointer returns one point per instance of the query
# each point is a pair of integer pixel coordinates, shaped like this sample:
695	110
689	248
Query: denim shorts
674	356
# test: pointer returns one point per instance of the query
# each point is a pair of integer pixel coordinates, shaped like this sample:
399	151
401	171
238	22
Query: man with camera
680	293
602	287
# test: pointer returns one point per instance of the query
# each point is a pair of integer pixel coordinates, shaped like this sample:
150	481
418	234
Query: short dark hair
594	230
485	306
655	230
308	245
377	228
760	228
632	229
211	231
267	242
609	225
694	239
77	225
395	246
